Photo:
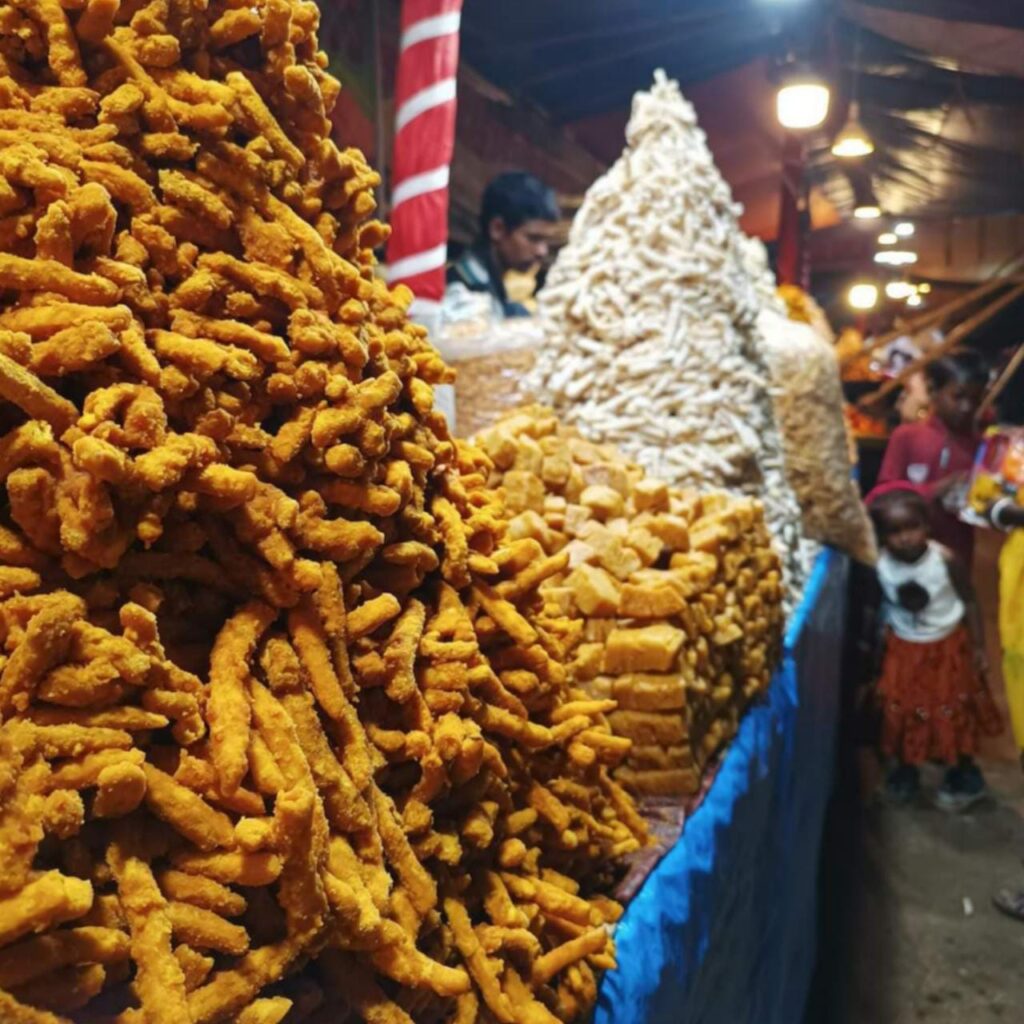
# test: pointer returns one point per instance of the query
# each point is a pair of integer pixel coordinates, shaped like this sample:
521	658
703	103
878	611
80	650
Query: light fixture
924	287
867	211
888	238
853	141
863	296
895	257
904	229
803	98
914	300
900	290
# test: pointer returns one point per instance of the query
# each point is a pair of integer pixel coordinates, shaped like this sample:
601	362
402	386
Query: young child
936	454
932	687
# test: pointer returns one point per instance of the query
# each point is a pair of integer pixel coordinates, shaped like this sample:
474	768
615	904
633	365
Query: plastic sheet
724	929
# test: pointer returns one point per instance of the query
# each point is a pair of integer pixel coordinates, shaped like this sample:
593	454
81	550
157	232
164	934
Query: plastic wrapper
809	407
492	359
998	473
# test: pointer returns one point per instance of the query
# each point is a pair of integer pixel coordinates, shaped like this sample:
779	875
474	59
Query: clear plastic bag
809	407
491	365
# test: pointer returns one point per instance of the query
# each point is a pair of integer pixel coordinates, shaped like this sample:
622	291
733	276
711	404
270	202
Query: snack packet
998	473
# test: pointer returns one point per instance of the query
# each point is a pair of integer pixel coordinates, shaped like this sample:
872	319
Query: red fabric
422	65
417	10
934	703
935	452
424	144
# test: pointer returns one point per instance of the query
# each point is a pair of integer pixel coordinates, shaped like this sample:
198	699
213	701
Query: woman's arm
1006	515
961	581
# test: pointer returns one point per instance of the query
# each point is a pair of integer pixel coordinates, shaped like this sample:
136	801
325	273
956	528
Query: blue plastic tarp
723	931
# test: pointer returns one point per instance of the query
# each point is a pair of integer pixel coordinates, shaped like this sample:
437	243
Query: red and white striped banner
424	142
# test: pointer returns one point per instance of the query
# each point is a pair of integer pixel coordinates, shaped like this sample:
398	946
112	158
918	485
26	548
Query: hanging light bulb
924	287
900	290
867	211
904	229
853	141
895	257
863	296
915	299
888	238
803	98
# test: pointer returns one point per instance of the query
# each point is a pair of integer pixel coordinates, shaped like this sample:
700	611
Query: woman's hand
943	488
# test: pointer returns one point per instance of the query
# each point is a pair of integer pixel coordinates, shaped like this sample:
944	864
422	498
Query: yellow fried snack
284	715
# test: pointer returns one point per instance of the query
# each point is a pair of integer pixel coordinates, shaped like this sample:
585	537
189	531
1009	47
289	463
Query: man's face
522	247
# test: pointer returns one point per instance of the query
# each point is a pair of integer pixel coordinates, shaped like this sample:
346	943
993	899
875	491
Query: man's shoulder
471	271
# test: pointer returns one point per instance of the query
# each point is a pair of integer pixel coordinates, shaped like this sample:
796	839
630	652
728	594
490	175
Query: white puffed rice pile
650	317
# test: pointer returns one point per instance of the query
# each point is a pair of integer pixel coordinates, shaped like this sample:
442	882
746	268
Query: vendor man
517	224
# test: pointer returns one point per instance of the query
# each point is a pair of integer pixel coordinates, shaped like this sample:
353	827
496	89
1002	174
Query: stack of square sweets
680	592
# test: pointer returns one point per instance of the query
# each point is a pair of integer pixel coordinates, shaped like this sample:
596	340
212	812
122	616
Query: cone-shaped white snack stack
650	319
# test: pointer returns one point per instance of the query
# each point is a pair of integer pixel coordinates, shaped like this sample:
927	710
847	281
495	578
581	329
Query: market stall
308	710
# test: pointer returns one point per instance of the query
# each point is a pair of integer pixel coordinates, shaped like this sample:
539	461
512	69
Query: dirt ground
909	933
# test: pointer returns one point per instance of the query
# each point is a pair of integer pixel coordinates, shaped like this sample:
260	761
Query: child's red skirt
934	702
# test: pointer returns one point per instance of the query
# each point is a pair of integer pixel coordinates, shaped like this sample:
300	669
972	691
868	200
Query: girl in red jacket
935	456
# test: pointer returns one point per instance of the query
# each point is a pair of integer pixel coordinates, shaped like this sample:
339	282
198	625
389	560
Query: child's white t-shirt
944	611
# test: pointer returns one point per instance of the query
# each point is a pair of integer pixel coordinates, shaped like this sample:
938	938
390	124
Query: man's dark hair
963	366
517	197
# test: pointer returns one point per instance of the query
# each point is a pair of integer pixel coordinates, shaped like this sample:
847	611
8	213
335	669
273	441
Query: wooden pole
1015	363
790	259
946	345
931	317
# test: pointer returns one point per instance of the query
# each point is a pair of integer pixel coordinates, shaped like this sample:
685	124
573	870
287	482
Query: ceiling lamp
867	211
896	257
914	300
863	296
924	288
853	141
900	290
904	229
803	98
888	238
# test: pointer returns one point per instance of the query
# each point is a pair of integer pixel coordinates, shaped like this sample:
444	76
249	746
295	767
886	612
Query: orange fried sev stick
33	957
302	832
480	967
416	880
557	959
14	1012
233	868
310	642
271	1010
201	892
32	275
46	644
400	960
230	991
65	990
228	702
159	981
186	811
204	929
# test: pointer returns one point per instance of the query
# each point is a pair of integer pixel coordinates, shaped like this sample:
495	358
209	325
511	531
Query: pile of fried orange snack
286	730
